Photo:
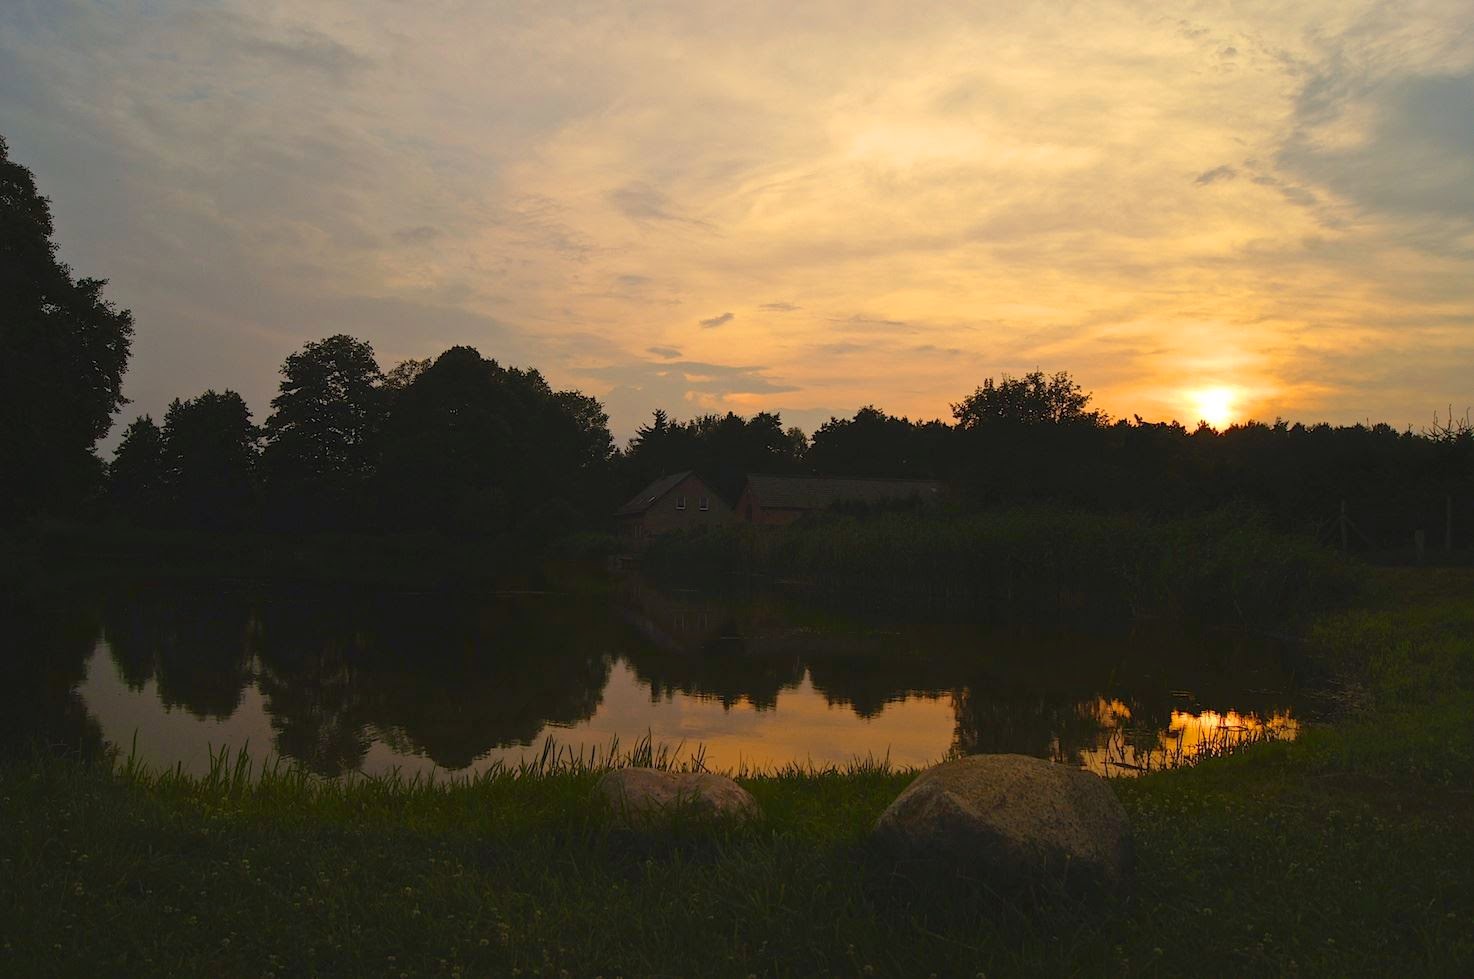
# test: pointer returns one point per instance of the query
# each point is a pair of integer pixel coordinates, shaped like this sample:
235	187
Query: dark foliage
722	448
322	438
473	447
210	462
876	444
136	484
63	350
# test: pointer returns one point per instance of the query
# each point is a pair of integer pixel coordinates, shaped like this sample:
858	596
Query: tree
322	437
473	447
1032	399
404	373
210	455
63	351
136	476
722	448
874	443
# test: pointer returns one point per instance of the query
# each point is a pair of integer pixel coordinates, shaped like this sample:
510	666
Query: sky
1203	210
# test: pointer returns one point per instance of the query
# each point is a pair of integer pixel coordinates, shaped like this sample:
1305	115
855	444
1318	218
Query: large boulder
1012	820
641	795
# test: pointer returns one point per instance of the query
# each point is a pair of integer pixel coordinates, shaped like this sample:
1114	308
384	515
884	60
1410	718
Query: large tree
474	447
63	351
1032	399
136	476
322	437
210	456
722	448
874	443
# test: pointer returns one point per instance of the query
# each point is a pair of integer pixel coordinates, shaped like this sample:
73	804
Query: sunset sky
1246	209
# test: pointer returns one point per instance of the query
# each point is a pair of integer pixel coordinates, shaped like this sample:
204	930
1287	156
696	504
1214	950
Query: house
772	501
680	501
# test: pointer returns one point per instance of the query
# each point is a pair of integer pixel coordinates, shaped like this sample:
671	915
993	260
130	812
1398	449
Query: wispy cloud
720	320
1224	172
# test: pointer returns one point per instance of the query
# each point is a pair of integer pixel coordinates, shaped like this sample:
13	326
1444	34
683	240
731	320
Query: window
680	503
706	503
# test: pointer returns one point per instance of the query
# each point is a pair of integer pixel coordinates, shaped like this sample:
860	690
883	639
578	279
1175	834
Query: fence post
1419	543
1343	525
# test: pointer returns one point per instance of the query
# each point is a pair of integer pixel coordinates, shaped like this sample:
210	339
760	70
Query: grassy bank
1035	564
1347	852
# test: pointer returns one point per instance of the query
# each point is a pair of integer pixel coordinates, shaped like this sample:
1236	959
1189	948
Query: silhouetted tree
403	374
1031	399
210	456
63	351
722	448
472	447
322	437
136	475
876	444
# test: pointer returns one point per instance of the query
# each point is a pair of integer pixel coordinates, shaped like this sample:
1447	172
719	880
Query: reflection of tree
1058	697
48	640
436	675
452	680
730	651
308	655
195	645
867	684
993	720
722	671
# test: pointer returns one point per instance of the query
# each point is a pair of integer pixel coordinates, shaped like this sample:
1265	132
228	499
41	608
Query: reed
1033	564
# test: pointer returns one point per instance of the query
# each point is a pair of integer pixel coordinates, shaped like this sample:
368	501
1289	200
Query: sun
1214	406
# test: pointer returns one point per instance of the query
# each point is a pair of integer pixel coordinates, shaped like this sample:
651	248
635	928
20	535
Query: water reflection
344	681
50	638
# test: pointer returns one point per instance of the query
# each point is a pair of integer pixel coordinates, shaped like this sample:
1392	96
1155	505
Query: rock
639	795
1012	820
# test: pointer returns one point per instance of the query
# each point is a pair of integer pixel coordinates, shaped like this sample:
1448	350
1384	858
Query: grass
1037	564
1345	852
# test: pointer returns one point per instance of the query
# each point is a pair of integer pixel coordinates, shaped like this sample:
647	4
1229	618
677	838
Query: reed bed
1031	564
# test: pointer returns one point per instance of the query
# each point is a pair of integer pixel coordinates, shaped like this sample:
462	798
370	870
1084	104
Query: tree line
457	445
461	444
1037	439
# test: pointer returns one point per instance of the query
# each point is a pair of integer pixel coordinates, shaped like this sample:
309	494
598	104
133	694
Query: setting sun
1214	406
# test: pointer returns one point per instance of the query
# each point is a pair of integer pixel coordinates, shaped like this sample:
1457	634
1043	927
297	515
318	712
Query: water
354	681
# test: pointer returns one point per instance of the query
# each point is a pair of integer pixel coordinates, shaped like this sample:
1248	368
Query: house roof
647	497
818	493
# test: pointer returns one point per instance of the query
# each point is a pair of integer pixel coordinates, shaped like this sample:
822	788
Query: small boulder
1013	820
640	795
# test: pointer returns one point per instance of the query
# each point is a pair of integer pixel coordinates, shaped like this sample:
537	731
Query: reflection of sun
1214	406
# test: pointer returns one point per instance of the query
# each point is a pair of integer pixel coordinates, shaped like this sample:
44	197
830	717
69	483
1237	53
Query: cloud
417	234
840	348
1224	172
669	353
779	307
721	320
868	324
293	48
1416	160
641	202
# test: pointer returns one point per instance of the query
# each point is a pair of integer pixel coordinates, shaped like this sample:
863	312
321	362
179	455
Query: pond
344	681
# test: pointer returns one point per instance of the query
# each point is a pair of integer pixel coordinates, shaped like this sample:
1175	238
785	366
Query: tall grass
1032	564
